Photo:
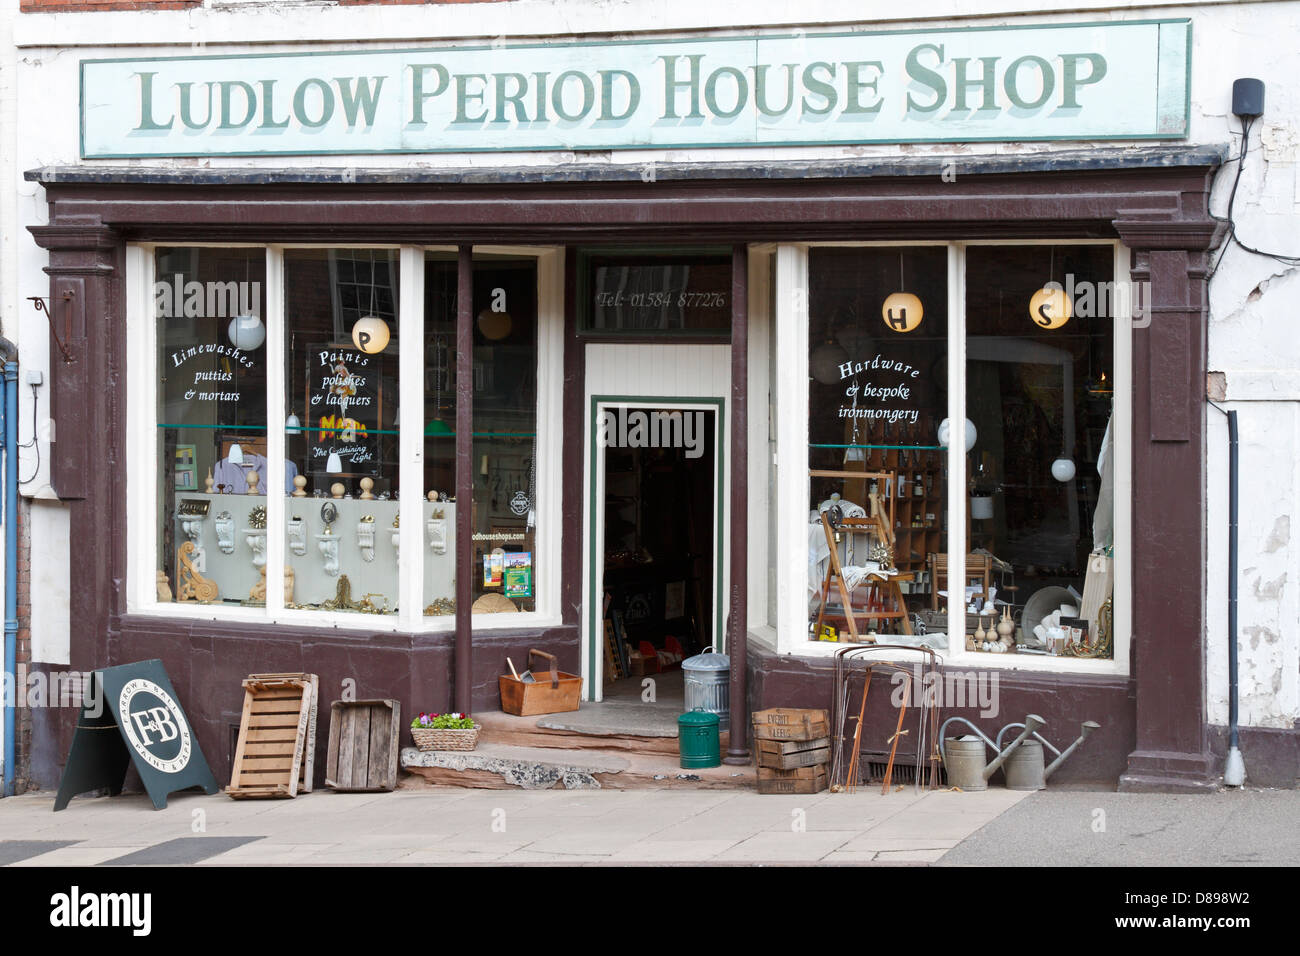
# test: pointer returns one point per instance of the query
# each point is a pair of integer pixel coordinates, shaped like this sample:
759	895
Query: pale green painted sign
1119	80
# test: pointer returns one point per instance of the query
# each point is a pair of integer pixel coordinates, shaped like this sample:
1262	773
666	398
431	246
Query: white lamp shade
902	312
334	465
1049	307
236	455
1063	469
292	421
246	332
825	362
494	325
970	434
370	334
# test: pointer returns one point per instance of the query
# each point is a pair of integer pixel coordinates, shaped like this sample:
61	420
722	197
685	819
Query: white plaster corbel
255	538
366	537
437	529
329	547
225	526
297	536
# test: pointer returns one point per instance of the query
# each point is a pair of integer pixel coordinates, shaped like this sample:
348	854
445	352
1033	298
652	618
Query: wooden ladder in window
884	596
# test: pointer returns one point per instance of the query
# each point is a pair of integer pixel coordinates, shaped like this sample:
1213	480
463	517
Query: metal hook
43	306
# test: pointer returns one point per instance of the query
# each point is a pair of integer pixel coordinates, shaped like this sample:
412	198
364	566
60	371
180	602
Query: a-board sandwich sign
130	715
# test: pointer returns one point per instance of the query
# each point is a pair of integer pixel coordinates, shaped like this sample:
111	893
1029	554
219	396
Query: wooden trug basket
554	692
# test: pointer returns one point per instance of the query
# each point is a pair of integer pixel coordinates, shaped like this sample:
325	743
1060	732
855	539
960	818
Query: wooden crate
792	754
801	780
275	752
363	747
787	723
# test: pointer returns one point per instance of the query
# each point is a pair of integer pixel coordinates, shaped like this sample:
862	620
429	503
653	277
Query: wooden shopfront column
738	604
1169	505
87	395
464	687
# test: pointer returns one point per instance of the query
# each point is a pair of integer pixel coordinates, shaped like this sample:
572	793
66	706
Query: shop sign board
131	716
1065	81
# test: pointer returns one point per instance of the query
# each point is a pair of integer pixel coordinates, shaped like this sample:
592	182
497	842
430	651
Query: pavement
454	826
448	825
1246	827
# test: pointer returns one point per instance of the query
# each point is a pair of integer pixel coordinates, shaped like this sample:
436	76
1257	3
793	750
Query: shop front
394	424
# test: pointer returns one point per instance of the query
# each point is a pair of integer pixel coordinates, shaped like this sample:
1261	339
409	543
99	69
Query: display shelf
229	556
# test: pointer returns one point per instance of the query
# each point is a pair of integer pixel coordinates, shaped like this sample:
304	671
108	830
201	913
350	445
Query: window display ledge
763	635
346	621
1025	662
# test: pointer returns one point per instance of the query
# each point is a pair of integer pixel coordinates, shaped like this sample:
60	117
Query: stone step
626	728
498	766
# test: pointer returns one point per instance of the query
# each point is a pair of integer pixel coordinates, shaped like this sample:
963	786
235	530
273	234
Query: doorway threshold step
495	766
605	726
616	719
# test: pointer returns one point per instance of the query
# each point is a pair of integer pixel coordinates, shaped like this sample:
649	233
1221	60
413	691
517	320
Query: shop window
877	394
503	512
209	309
303	391
656	292
1031	518
505	434
1039	395
341	440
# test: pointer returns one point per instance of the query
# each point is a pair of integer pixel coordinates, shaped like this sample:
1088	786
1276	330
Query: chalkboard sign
139	703
344	408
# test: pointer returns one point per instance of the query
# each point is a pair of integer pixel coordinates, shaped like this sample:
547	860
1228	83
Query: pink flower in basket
450	731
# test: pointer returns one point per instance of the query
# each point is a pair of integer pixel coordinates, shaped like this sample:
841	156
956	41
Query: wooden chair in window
881	596
979	573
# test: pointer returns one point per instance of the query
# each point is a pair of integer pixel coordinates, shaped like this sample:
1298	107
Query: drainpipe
10	495
1234	771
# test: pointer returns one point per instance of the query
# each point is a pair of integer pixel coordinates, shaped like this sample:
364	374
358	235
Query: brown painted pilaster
737	612
575	370
89	434
1169	501
464	689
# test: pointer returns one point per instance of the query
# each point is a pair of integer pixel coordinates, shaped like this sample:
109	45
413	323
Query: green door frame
595	548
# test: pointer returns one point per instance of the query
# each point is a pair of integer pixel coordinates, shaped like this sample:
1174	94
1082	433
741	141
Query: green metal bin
697	740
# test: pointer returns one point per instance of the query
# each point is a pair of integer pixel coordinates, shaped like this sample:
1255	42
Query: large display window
302	411
966	420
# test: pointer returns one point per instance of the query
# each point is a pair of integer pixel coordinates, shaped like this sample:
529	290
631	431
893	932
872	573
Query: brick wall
23	744
87	6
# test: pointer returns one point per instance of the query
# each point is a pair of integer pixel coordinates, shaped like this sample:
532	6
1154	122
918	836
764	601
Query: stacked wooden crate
793	748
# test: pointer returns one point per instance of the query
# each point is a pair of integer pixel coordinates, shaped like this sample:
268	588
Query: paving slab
265	852
185	850
14	851
669	851
807	846
77	855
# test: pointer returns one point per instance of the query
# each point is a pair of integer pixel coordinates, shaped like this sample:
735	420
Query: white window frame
143	506
792	482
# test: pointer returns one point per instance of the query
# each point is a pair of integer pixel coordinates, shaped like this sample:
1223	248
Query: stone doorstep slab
615	718
500	766
638	728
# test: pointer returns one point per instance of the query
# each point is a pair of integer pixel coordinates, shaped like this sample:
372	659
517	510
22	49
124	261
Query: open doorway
656	547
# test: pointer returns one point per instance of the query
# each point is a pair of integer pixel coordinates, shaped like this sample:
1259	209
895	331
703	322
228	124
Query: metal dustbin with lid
697	740
707	680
